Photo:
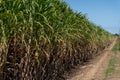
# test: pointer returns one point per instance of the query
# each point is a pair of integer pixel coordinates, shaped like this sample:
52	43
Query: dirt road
95	69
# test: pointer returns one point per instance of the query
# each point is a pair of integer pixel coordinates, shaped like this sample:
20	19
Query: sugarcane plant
41	39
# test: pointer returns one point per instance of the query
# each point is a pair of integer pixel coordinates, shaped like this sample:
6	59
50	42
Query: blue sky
105	13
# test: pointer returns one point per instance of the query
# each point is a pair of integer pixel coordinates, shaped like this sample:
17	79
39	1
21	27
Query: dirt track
94	69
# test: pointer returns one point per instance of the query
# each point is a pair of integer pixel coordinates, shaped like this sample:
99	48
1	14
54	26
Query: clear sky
105	13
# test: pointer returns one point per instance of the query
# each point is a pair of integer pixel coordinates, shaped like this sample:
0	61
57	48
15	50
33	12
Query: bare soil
94	69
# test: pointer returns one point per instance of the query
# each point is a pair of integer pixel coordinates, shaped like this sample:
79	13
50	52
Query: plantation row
41	39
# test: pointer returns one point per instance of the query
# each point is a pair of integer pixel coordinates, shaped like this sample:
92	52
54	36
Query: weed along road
113	69
99	68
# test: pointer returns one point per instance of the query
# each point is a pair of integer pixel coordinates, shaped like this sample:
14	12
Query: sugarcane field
59	40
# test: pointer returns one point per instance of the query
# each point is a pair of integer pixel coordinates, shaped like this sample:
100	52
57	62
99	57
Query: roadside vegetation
40	39
114	61
117	46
